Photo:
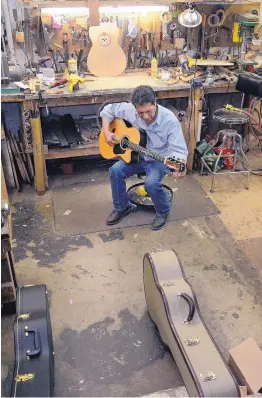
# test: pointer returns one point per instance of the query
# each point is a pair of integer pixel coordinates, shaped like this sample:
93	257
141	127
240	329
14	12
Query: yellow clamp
231	108
24	377
73	79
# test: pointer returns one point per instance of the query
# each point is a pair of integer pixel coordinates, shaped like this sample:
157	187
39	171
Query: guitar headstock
176	164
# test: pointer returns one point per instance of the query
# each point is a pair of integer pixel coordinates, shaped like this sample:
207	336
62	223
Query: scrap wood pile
21	163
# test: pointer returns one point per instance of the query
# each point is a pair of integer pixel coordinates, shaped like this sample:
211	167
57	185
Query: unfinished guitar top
106	58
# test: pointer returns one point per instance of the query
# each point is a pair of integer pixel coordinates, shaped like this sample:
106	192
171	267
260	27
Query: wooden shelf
80	150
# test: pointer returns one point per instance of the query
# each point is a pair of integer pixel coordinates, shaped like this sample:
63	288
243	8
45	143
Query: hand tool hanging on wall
65	46
132	30
165	19
124	32
173	32
132	54
5	14
153	46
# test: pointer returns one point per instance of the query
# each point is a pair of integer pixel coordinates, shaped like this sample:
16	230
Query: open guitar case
173	307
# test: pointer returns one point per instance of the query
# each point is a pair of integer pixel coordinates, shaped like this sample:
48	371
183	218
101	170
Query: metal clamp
209	376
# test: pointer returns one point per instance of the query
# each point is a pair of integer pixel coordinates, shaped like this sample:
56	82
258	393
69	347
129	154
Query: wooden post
94	16
195	106
39	157
4	194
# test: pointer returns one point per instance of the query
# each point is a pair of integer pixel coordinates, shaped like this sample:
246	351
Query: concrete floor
105	343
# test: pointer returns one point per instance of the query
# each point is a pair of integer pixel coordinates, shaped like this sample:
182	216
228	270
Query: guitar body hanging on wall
106	58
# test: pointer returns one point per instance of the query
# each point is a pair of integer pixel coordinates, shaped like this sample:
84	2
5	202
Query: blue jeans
155	172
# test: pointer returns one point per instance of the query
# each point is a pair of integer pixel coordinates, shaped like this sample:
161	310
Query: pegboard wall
148	22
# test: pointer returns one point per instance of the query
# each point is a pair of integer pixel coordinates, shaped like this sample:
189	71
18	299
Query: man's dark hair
143	95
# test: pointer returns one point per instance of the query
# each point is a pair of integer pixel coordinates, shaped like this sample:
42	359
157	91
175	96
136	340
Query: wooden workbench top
124	84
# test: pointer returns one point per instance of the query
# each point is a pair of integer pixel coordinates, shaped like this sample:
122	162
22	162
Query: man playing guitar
164	136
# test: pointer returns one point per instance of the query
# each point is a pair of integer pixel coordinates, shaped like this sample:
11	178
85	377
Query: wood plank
4	194
71	101
211	62
2	132
12	97
72	152
13	166
173	94
30	165
106	3
195	106
56	4
19	156
39	159
94	16
222	89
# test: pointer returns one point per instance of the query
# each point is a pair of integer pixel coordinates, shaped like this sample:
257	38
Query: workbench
116	89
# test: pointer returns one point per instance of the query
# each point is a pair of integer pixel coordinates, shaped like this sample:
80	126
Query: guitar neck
144	151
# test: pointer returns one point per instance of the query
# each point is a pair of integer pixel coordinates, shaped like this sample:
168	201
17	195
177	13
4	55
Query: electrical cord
251	111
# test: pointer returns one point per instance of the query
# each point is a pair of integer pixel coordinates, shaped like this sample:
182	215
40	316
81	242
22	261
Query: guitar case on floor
34	353
173	307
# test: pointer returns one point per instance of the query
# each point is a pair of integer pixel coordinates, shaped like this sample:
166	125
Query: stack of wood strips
21	162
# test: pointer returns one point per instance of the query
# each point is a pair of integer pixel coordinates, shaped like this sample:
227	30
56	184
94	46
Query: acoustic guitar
127	140
106	58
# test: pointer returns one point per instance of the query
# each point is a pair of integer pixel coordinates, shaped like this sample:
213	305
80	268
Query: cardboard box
246	363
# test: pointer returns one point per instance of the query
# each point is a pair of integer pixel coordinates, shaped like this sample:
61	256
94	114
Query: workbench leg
39	157
195	107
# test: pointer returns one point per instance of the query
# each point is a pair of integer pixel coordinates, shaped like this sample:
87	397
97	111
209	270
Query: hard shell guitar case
34	363
173	307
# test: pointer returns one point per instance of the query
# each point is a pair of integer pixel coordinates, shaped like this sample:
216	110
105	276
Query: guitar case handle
37	342
191	304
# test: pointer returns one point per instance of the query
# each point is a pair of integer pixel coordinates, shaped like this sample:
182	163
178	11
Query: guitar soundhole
123	143
120	148
104	39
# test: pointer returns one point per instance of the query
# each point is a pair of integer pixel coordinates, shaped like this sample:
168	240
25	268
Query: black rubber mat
84	208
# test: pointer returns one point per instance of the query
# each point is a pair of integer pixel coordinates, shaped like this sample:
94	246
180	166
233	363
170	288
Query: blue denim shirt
164	135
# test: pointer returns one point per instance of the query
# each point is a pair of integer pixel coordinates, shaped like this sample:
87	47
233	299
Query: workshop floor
105	343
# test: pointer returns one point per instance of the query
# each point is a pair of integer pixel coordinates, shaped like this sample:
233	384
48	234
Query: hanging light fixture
190	18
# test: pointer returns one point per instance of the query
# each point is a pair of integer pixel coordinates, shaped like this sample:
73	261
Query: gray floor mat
84	208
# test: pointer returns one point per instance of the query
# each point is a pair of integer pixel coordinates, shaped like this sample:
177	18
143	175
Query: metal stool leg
212	183
247	182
